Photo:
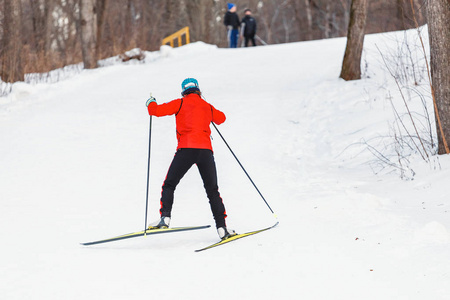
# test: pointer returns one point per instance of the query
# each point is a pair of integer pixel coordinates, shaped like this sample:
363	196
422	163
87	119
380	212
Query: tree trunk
345	4
88	31
130	28
438	15
48	37
351	66
197	13
309	19
101	9
327	22
11	68
50	4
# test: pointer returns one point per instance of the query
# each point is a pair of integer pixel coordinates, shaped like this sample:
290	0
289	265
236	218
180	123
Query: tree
11	68
88	31
52	34
197	12
351	66
38	34
438	15
101	9
309	19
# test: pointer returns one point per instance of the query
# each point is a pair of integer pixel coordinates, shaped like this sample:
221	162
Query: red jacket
193	117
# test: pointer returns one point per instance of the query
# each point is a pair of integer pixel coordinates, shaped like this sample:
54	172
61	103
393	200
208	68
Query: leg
234	38
246	41
181	163
207	169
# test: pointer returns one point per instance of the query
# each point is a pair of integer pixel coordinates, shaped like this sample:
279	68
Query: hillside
73	160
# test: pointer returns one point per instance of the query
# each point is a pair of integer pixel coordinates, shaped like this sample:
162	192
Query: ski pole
148	171
229	148
261	40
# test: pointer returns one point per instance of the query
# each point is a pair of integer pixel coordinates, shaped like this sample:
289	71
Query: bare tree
48	26
351	66
41	36
438	15
198	12
101	9
327	21
11	68
309	18
88	31
52	34
270	19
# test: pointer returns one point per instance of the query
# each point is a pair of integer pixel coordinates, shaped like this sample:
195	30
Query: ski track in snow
73	168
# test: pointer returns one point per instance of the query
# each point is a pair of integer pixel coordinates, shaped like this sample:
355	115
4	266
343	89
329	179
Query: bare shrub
412	131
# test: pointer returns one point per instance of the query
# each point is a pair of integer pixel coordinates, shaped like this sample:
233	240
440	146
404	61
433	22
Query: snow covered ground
73	163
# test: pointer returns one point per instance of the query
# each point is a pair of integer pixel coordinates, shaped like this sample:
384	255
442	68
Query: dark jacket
249	26
231	19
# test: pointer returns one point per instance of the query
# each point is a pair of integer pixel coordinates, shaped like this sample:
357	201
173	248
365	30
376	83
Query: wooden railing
177	36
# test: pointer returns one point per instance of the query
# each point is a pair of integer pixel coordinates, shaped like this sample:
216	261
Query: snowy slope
73	161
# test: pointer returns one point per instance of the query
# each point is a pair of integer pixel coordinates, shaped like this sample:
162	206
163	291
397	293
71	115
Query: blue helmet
189	85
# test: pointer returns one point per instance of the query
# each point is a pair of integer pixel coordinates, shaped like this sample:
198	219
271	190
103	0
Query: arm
218	117
242	27
226	19
165	109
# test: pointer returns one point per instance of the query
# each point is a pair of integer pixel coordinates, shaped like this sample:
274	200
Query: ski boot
225	233
162	224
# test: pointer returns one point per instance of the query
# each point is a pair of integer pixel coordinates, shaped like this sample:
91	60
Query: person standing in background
231	21
248	27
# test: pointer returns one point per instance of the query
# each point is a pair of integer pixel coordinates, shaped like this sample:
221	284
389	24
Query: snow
73	160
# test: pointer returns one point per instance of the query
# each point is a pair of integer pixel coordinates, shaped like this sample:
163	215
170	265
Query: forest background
45	34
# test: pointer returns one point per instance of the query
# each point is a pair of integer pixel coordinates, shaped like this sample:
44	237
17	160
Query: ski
236	237
145	232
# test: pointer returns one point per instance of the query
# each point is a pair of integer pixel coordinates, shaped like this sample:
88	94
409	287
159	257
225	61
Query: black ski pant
249	38
181	163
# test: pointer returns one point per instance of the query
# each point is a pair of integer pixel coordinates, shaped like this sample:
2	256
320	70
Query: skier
193	117
231	21
248	27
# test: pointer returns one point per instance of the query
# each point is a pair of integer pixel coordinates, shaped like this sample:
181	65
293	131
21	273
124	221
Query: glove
150	100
